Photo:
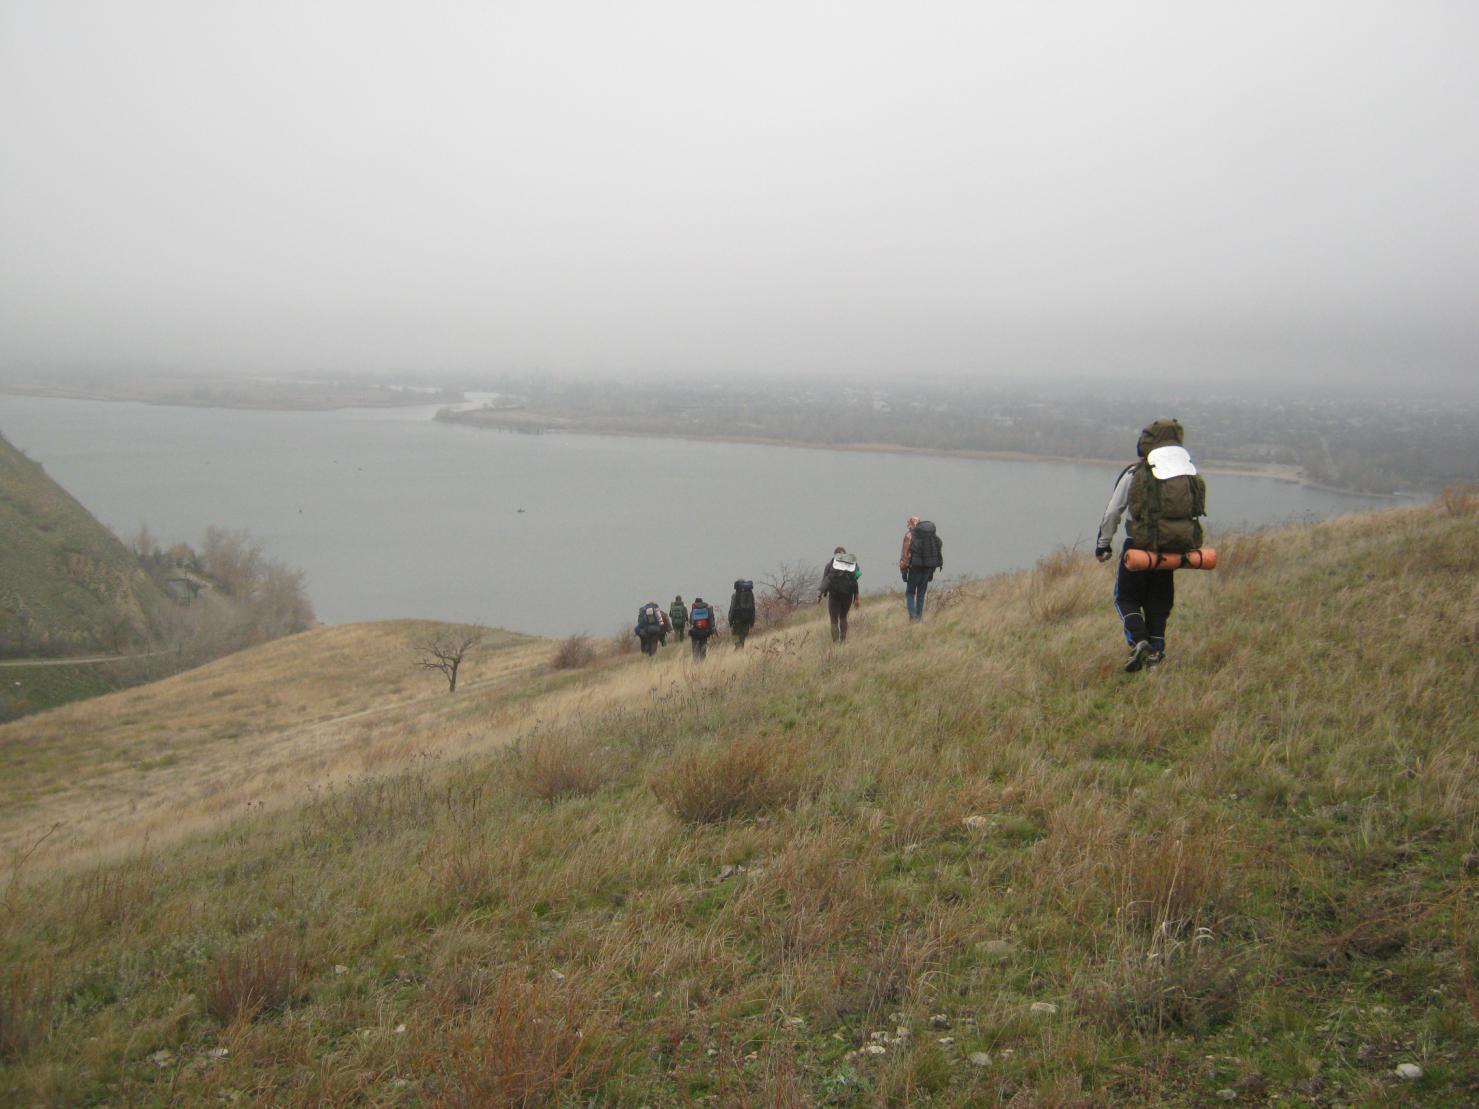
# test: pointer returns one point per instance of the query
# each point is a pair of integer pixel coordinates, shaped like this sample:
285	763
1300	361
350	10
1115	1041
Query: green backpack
1164	512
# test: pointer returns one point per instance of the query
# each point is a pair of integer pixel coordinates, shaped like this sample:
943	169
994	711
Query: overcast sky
1085	188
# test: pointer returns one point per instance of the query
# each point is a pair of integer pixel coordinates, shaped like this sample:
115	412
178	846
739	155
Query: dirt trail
19	662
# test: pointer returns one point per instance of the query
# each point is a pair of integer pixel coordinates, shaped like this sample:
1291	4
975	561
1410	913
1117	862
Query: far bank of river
391	513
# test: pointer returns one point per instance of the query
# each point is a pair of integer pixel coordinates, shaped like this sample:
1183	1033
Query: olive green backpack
1164	514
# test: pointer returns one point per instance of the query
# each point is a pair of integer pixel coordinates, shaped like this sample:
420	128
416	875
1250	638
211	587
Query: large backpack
925	549
700	621
744	601
1167	499
843	574
649	619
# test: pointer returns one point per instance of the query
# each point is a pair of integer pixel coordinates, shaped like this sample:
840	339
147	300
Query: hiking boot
1155	658
1138	655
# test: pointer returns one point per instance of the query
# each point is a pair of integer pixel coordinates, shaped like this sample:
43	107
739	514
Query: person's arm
905	550
1113	513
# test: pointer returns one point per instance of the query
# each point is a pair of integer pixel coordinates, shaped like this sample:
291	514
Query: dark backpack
925	550
649	618
841	576
744	602
1164	514
700	620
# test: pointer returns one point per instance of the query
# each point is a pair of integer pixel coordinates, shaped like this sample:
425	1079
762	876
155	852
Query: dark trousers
678	631
838	605
649	644
700	645
738	632
1144	599
915	584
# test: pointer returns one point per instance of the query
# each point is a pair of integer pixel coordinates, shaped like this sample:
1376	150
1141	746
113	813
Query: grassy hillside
964	862
67	585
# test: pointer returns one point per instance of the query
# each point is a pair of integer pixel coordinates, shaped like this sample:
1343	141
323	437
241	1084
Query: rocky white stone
1409	1071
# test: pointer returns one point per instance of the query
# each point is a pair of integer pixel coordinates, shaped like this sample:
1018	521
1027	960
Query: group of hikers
1160	496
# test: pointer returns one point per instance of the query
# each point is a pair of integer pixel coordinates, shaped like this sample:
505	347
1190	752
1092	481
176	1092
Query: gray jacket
1118	507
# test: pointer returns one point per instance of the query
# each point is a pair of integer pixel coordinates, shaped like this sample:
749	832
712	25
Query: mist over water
391	514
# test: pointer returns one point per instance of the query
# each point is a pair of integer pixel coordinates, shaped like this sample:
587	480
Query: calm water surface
392	514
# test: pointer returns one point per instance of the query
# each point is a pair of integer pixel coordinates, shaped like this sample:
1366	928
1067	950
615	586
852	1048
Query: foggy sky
980	188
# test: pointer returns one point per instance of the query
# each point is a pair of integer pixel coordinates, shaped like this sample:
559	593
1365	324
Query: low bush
574	653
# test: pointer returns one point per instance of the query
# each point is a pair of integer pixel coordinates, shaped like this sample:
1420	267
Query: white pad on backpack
1169	462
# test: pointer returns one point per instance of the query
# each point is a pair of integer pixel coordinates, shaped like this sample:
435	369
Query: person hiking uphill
1161	497
678	614
652	627
840	587
700	626
741	611
920	556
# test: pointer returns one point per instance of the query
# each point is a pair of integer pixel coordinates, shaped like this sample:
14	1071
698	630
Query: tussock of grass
649	882
1062	586
553	766
741	777
257	978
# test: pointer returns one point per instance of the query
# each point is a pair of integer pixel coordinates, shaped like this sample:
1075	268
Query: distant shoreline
307	402
1275	471
528	423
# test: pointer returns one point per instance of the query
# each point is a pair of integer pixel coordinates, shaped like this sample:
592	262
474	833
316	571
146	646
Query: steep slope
966	862
67	585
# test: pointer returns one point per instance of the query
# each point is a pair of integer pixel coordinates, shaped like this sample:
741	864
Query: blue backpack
700	621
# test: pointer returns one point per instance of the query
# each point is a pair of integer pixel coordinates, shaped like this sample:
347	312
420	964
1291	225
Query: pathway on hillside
20	662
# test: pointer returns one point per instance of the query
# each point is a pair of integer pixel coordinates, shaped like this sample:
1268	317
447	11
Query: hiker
652	627
742	611
678	614
920	556
1161	496
700	626
840	587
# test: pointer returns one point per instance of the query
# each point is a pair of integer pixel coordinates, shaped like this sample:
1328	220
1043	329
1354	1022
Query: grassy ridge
69	586
965	862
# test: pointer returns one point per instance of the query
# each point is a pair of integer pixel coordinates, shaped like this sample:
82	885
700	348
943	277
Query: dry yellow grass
1124	889
251	729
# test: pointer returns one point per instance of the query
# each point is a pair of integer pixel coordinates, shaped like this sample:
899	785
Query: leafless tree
445	653
790	586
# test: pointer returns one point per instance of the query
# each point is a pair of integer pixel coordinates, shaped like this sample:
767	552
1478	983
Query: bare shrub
556	766
254	979
1057	590
1459	500
574	653
524	1043
789	587
624	642
25	1010
1190	984
745	777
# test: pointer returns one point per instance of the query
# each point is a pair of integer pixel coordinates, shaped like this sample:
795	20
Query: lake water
392	514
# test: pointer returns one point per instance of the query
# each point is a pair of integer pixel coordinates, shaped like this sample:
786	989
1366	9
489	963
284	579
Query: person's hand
857	600
1102	553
